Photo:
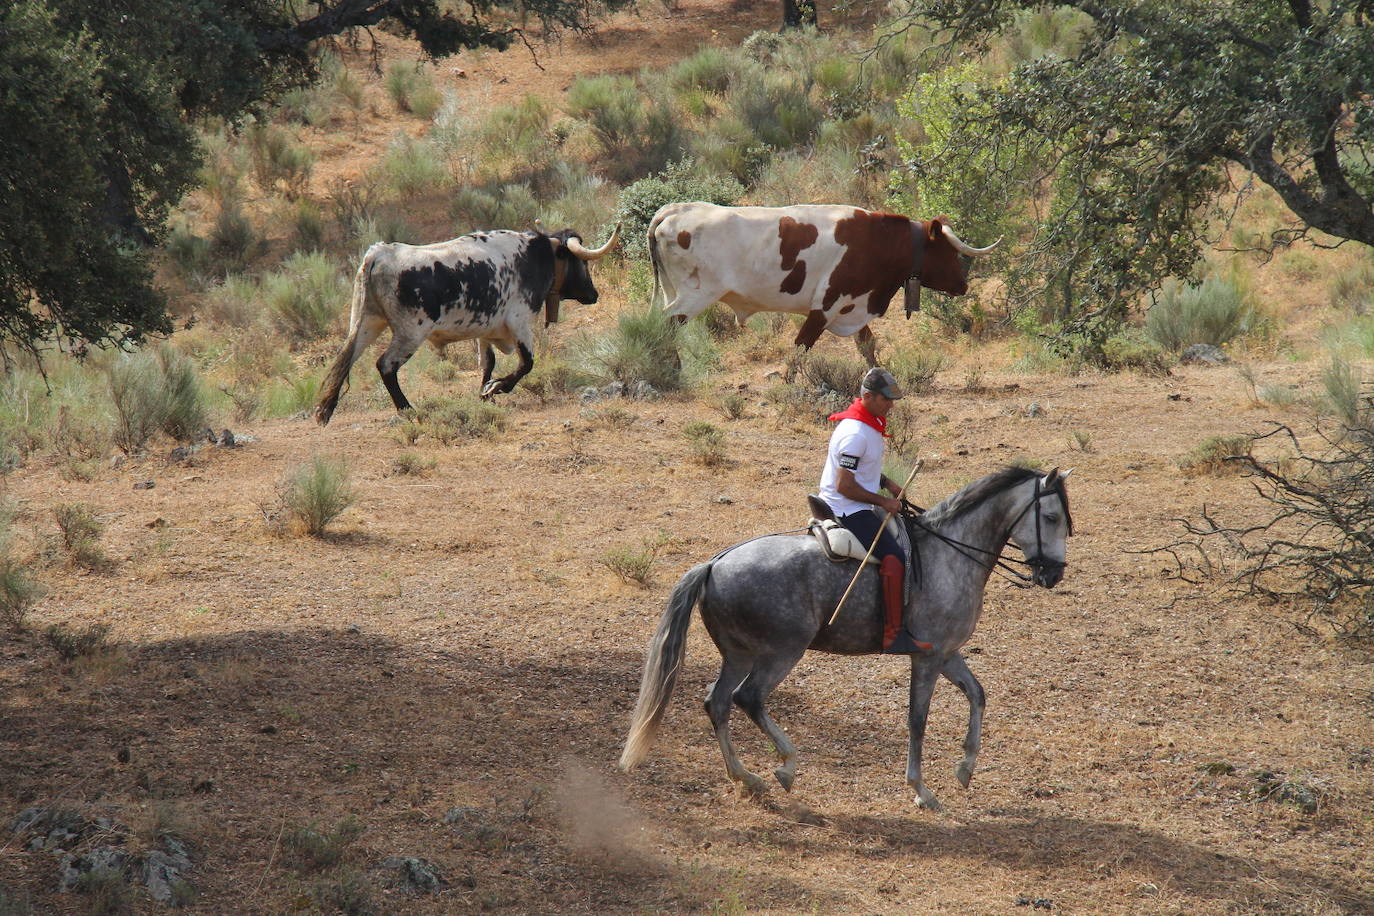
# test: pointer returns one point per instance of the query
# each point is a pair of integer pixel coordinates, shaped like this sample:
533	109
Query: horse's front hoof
964	773
926	799
752	787
785	777
490	391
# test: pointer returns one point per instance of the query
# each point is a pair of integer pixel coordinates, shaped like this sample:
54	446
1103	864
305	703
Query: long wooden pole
873	546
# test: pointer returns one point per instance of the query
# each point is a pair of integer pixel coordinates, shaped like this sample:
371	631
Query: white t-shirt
857	447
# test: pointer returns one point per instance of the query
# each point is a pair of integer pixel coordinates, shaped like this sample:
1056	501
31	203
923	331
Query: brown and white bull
487	286
838	265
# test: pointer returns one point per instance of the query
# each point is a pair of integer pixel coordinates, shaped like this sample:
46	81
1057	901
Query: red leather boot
896	639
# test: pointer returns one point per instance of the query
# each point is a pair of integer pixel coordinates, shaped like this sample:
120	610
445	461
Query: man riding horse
850	485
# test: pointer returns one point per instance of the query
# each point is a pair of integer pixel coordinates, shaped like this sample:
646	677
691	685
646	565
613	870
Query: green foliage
18	591
411	464
279	162
450	419
829	374
411	87
80	532
679	181
72	645
306	296
507	207
1215	312
318	492
104	96
646	345
705	442
915	369
413	167
633	564
1342	383
310	848
347	893
1210	456
1137	129
155	391
1130	348
710	69
107	891
638	132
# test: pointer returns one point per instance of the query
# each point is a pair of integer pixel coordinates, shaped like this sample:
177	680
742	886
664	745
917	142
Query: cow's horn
963	246
591	254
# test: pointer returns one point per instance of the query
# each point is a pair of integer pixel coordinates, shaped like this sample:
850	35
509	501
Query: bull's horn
539	226
591	254
963	246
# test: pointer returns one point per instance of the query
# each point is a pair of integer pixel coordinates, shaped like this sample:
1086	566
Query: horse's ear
1065	475
1051	479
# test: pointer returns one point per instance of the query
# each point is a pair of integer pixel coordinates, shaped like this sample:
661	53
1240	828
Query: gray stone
613	390
73	867
1035	410
589	394
643	391
418	875
1204	354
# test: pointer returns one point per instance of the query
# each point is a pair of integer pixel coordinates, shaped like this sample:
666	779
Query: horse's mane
979	492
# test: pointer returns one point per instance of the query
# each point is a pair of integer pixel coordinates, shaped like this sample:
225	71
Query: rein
1000	565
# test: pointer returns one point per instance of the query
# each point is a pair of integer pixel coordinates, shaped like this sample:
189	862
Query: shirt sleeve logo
849	462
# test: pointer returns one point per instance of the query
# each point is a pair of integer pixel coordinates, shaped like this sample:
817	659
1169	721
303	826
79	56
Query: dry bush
1217	455
310	848
705	443
80	531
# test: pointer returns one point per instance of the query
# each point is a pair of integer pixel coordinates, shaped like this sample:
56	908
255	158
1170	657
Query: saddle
837	542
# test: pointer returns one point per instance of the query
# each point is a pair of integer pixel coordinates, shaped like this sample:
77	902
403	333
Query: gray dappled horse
768	600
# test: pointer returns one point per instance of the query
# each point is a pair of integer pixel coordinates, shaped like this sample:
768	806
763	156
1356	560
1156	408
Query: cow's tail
662	663
338	373
655	261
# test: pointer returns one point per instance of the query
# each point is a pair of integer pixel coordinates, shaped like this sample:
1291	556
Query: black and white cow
486	286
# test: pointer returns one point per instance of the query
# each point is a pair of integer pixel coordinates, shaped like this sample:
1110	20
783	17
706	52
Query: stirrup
906	644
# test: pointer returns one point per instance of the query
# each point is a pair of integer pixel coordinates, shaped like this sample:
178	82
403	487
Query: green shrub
188	253
776	108
706	443
411	87
413	167
1342	383
1132	349
347	893
232	303
152	392
730	148
709	69
645	346
551	376
107	891
449	419
306	296
1209	457
510	207
1214	312
307	225
637	131
13	903
309	848
1352	290
732	405
511	135
411	464
680	181
278	160
287	398
632	564
233	240
829	373
318	492
18	592
71	645
80	533
915	369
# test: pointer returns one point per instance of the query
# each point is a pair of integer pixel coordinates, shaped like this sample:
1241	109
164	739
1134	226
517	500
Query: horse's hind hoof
785	778
964	773
752	787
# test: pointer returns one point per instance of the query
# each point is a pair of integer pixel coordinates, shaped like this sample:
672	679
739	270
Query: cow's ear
934	229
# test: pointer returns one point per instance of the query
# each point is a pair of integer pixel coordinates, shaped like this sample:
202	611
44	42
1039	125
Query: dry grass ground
453	666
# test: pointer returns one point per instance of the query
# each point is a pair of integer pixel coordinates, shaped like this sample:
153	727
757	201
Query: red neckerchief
857	411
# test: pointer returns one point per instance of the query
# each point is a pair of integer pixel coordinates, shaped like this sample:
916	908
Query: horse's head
1043	527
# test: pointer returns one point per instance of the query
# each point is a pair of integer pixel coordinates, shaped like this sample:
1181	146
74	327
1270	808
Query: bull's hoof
785	778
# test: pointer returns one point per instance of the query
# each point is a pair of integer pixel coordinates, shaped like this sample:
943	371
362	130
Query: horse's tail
662	663
338	373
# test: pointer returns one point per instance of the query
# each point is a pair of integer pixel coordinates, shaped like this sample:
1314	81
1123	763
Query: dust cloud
600	825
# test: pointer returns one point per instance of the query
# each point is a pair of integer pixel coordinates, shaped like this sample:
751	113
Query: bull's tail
655	261
662	664
338	373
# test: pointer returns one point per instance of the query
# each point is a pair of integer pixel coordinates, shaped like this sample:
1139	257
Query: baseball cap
881	381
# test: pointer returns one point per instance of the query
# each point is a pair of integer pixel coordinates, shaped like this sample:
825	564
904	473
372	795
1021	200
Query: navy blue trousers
864	524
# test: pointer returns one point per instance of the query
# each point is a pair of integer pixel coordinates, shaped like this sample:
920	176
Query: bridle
999	564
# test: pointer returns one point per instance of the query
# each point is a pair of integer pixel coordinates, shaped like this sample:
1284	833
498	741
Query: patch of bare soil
453	668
